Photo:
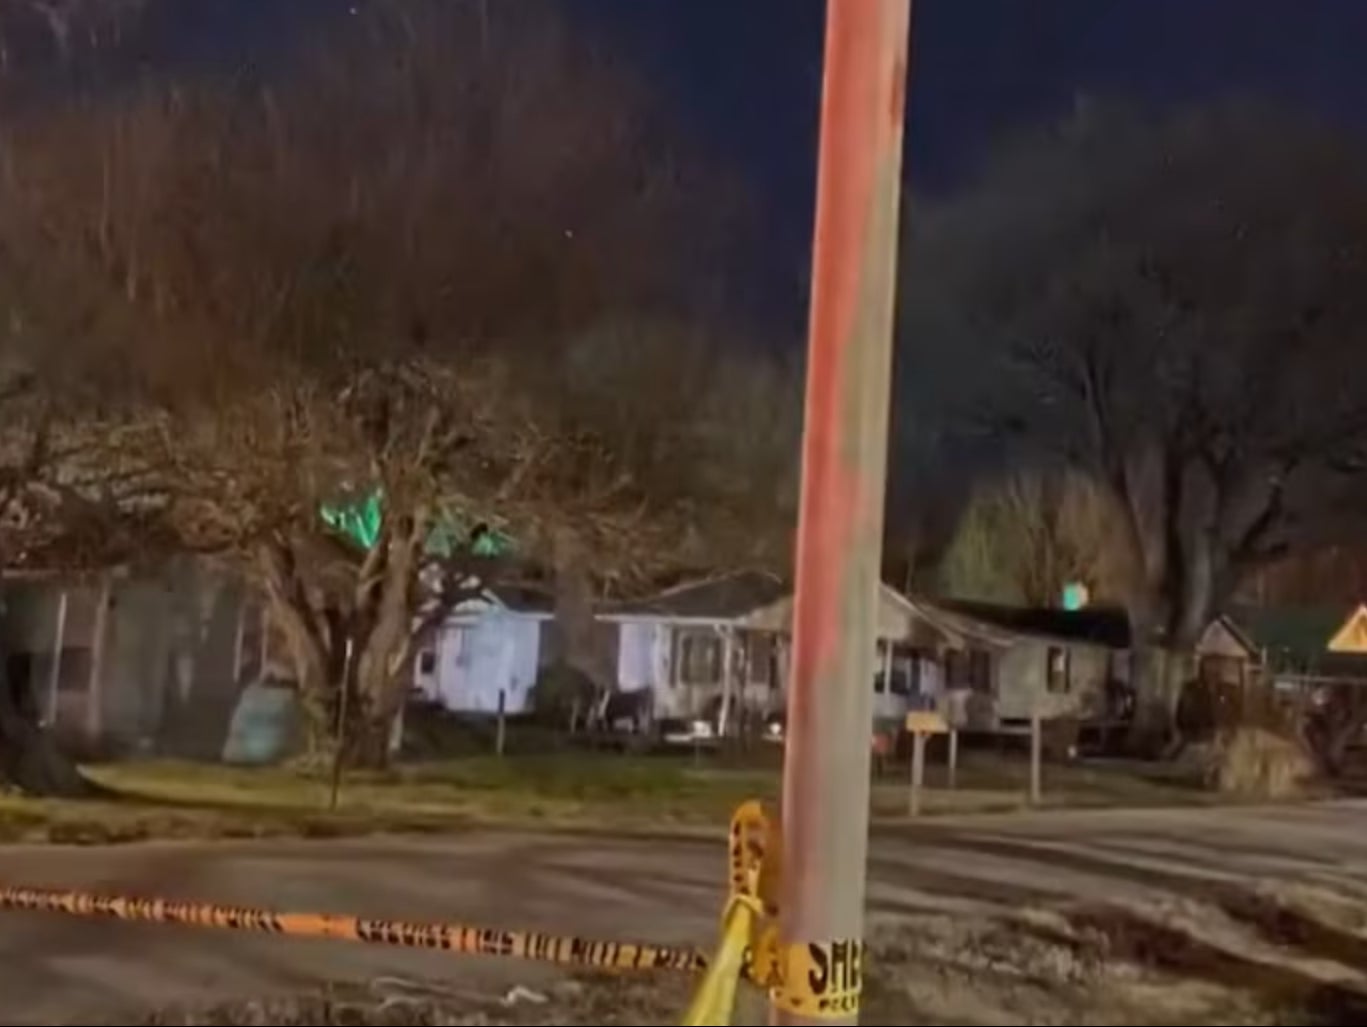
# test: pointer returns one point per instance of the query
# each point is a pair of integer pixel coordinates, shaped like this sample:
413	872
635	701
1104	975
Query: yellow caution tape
565	950
817	980
745	942
820	980
715	1000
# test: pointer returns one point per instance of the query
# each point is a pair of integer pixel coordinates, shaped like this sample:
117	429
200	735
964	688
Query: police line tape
818	980
564	950
814	979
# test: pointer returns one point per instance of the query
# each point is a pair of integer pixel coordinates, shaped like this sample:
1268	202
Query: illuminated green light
1075	596
363	522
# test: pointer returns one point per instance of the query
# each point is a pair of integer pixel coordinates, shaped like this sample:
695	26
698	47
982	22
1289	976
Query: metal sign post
839	545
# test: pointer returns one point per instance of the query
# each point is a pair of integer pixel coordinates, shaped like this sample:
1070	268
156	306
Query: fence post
1036	757
501	732
918	771
953	758
54	681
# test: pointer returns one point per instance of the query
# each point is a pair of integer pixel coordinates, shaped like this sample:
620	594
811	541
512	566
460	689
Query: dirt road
59	970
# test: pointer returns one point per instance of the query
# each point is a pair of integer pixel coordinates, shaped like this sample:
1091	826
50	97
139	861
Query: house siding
161	680
1022	681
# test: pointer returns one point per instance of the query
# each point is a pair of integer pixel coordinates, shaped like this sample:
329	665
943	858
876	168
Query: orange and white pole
839	546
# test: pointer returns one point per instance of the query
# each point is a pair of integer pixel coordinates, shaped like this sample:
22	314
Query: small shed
487	647
1305	646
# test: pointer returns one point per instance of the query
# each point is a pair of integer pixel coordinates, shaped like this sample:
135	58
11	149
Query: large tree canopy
431	264
1175	307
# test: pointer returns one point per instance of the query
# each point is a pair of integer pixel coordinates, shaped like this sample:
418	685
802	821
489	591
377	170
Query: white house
486	647
723	646
690	647
906	675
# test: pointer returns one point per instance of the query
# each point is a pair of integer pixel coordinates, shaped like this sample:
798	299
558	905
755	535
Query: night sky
744	75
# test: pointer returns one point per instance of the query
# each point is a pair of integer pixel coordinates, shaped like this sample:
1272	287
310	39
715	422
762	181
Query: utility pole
839	545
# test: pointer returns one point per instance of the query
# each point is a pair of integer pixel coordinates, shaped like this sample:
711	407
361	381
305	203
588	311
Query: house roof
1297	638
523	598
1104	626
718	599
895	615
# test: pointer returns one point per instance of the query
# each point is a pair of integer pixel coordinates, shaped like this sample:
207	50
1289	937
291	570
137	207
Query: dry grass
996	782
168	800
1256	763
612	791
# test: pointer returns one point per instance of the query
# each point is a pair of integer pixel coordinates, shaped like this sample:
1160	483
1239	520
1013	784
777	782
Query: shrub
1257	763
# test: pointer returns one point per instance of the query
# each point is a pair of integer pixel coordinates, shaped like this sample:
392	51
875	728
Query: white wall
478	657
1022	676
637	666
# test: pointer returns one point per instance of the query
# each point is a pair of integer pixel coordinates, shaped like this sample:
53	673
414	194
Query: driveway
56	969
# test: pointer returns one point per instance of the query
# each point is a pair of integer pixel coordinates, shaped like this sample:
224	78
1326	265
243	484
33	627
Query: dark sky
744	75
747	72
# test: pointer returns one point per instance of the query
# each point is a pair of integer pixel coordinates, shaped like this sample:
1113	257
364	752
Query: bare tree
1026	536
60	28
1172	307
348	287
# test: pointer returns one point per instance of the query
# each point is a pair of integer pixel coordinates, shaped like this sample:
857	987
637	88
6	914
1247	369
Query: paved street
56	969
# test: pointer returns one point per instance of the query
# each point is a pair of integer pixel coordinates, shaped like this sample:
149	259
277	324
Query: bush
1256	763
561	693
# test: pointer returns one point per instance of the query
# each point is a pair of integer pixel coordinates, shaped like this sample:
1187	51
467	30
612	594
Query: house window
759	658
954	669
1058	667
700	657
971	669
902	670
980	670
74	673
427	662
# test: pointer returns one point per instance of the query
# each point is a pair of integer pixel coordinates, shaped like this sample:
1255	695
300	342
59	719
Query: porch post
54	679
94	702
239	638
728	659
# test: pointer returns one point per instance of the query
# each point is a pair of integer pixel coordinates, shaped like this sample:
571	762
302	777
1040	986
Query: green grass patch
183	800
564	789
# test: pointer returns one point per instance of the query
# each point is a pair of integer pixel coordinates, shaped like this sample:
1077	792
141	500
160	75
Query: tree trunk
382	673
369	724
312	643
29	756
369	735
1159	676
575	623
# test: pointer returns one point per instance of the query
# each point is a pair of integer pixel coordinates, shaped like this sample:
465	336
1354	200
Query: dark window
427	662
980	670
955	670
700	659
902	670
759	657
1058	670
74	673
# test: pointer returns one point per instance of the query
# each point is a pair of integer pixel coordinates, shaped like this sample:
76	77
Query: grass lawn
183	800
990	781
169	800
